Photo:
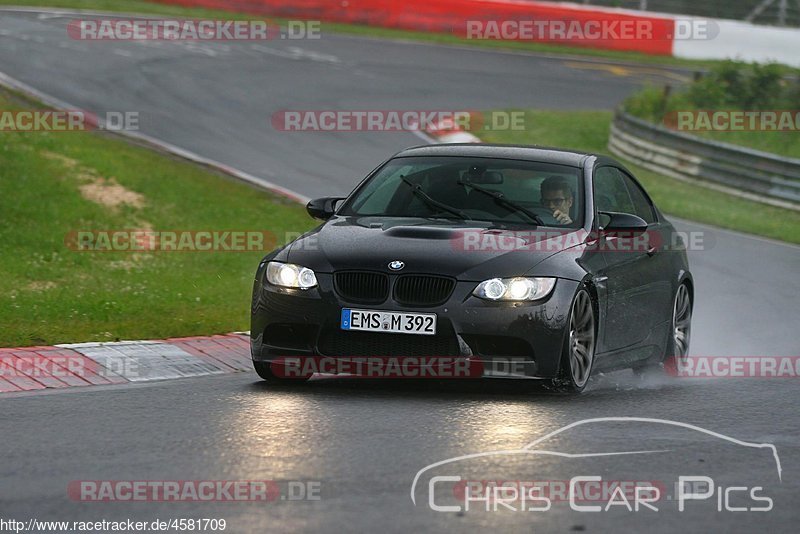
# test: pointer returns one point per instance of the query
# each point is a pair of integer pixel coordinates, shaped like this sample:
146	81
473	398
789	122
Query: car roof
520	152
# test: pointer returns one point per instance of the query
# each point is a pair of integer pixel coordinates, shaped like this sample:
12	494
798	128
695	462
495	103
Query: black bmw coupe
535	263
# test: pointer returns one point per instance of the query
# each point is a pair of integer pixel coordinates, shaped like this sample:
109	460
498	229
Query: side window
641	203
610	192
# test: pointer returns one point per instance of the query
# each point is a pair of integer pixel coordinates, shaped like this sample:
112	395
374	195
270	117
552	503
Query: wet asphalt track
364	441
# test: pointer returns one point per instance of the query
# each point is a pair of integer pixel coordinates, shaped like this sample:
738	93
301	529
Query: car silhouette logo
396	265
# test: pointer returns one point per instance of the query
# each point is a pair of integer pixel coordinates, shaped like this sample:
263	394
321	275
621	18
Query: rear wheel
577	357
677	348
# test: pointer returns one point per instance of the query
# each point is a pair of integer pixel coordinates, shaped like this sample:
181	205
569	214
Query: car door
629	261
659	273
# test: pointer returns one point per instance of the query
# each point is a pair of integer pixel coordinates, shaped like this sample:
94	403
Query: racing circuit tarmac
364	441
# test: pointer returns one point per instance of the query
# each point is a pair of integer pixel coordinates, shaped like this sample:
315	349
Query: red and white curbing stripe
96	364
669	35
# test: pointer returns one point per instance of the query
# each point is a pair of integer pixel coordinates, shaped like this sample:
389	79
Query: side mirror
617	224
323	208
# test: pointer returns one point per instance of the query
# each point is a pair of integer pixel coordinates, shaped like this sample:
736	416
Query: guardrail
740	171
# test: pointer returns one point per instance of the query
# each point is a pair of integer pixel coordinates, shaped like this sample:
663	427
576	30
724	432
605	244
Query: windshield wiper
501	199
417	190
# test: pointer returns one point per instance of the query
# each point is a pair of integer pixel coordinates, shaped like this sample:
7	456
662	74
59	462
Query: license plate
389	322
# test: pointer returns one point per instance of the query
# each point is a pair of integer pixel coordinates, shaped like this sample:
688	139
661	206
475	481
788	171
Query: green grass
588	131
51	294
145	7
782	143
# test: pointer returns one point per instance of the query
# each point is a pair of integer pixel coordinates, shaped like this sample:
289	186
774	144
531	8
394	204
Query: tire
264	370
580	341
677	346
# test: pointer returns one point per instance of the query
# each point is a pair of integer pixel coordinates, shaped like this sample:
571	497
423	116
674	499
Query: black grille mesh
365	287
420	290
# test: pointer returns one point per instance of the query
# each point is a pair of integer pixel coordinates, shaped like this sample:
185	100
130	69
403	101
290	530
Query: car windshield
500	191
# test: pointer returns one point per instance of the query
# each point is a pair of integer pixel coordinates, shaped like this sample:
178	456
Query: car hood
464	251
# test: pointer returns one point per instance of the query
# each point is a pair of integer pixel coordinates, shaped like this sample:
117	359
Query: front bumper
510	339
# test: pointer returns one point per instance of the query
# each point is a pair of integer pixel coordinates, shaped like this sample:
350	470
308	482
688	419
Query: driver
557	197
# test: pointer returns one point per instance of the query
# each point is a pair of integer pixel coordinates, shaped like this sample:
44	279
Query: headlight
290	275
515	288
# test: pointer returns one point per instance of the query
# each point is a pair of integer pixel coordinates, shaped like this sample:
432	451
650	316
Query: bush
730	85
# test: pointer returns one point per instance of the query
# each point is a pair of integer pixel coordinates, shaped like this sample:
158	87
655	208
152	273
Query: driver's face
557	200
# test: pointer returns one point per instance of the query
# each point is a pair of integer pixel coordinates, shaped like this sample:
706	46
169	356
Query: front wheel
577	357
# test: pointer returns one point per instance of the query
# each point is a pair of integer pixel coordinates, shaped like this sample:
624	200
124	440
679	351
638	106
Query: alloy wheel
681	323
581	338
